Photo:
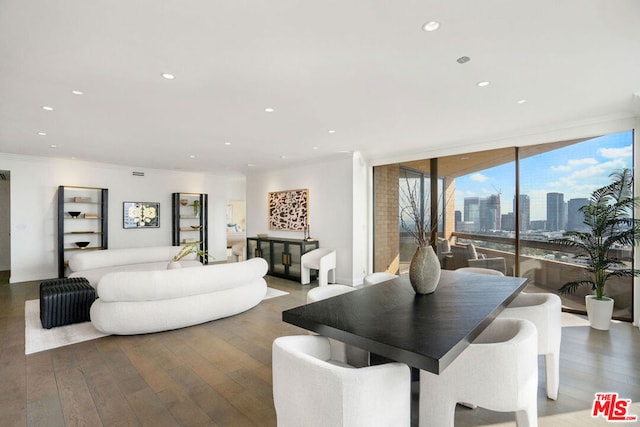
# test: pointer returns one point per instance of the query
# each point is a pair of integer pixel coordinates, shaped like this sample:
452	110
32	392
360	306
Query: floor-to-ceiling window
481	202
483	208
554	183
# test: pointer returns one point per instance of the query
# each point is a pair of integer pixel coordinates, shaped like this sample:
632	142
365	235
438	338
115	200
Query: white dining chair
544	310
379	277
321	259
340	351
311	390
479	270
497	371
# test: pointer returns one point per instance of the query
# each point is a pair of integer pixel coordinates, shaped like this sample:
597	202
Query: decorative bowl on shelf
82	244
74	214
196	227
184	202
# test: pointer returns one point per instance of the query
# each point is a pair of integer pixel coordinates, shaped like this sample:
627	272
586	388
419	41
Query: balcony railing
548	274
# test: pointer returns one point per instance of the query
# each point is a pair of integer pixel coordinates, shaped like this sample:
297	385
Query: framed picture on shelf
141	215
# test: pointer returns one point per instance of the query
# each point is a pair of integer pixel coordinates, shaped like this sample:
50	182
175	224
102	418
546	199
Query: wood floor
219	373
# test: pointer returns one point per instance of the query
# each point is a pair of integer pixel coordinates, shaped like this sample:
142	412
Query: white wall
331	209
5	226
34	183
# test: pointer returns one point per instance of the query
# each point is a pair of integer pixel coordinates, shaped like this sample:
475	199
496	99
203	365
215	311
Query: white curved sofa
94	264
138	302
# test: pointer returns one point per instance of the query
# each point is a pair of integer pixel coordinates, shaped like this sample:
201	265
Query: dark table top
424	331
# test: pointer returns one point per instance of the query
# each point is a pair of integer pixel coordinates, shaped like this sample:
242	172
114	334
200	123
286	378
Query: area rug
272	293
36	338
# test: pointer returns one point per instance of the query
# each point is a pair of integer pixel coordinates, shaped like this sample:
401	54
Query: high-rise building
482	213
575	218
555	212
508	222
472	212
490	213
525	211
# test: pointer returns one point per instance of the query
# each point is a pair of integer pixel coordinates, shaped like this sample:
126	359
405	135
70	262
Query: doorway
5	227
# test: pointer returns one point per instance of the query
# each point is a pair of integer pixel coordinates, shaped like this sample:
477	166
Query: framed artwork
141	215
288	210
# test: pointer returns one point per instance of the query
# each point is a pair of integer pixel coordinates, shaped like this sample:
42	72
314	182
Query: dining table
391	320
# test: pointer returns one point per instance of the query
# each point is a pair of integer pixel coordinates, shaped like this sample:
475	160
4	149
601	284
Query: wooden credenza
282	254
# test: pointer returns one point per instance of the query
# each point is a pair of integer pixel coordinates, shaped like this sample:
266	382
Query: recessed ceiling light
483	83
227	143
431	26
192	156
168	76
283	157
53	146
251	164
332	131
42	133
47	108
269	110
315	148
522	101
463	60
77	92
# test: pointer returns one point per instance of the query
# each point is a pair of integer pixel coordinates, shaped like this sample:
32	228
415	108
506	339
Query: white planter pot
599	312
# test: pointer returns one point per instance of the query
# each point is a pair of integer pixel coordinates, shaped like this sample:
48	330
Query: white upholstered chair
312	391
544	310
324	292
479	270
340	351
465	255
497	371
374	278
321	259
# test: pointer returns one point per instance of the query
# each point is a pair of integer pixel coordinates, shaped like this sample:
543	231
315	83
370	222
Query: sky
575	170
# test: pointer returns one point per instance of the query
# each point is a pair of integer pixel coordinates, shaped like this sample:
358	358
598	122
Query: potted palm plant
610	225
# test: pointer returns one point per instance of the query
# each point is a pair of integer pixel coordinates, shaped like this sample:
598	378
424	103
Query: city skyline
575	171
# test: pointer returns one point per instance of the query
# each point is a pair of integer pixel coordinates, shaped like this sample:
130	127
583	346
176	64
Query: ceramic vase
173	265
599	312
424	270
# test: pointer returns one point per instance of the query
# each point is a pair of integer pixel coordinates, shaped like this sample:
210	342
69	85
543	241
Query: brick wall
386	245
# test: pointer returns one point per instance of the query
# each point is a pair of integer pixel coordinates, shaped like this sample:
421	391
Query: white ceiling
364	68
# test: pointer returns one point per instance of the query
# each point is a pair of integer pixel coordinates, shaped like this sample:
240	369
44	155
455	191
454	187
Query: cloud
574	163
614	153
478	177
583	181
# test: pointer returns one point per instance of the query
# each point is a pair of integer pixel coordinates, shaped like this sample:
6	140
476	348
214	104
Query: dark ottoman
65	301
